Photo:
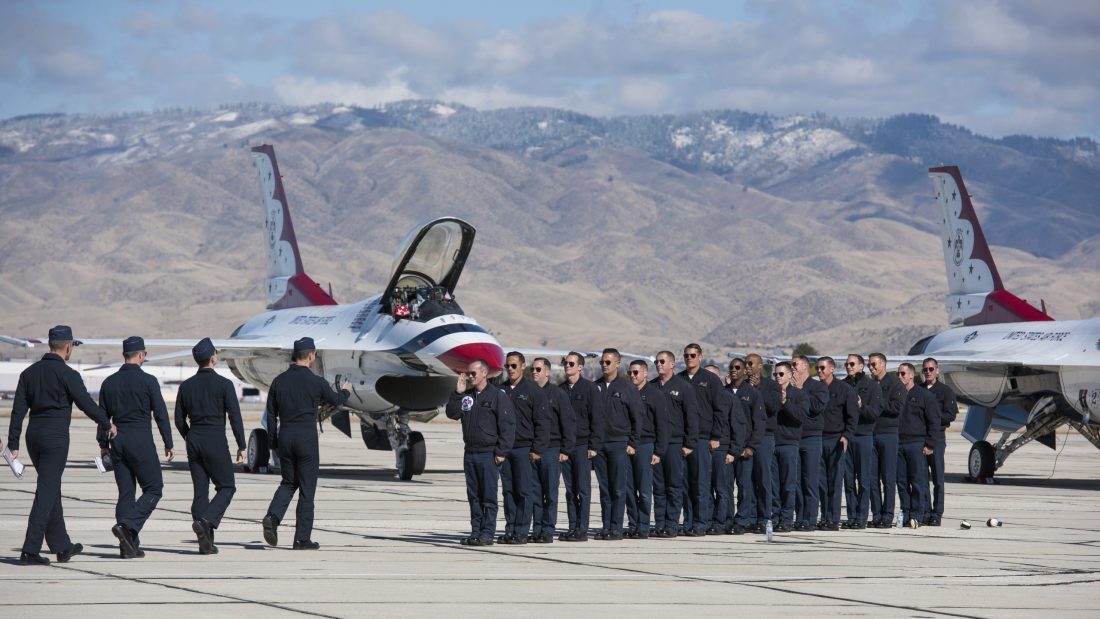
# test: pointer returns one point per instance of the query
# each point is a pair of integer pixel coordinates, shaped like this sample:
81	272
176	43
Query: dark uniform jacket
713	416
769	392
949	408
206	398
563	421
870	402
893	401
532	415
752	405
588	405
488	419
622	411
842	412
295	396
791	416
655	418
47	390
128	396
818	397
920	419
683	419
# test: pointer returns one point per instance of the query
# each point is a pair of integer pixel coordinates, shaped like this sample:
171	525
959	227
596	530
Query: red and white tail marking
975	294
287	283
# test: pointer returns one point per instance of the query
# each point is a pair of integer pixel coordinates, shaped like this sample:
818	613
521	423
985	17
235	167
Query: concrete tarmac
390	548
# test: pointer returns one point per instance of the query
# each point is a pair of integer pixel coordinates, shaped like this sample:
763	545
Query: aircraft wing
228	348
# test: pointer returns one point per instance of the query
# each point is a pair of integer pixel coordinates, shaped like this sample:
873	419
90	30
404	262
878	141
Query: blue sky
998	67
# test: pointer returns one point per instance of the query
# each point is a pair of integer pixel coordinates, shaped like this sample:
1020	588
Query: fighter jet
401	350
1024	374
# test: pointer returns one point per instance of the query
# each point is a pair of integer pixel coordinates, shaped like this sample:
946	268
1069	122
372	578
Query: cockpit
426	269
423	303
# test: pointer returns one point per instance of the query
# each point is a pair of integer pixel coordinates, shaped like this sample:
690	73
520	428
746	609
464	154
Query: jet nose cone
460	357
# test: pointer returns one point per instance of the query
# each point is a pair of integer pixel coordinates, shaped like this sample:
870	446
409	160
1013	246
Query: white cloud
307	91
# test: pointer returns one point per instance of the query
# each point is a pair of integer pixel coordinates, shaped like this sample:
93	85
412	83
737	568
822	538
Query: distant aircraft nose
460	357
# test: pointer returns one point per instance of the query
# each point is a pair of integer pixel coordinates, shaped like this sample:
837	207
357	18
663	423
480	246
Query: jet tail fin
975	294
287	283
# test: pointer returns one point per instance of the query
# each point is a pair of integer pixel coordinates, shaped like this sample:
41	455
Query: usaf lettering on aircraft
311	320
970	336
1038	336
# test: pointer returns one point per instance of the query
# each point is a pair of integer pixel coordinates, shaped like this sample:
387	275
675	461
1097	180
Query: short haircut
131	355
735	360
56	345
879	356
783	364
802	358
933	360
693	346
483	363
912	370
300	355
711	366
639	362
579	357
613	352
518	355
667	353
544	360
828	360
858	357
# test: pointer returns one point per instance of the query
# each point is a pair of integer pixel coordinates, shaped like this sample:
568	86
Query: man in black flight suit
292	404
46	391
949	409
128	396
205	399
532	440
547	470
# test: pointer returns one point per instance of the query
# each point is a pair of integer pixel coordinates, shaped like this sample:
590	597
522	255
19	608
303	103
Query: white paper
99	464
16	466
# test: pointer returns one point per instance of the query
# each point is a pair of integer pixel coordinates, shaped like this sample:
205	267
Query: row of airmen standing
668	453
48	388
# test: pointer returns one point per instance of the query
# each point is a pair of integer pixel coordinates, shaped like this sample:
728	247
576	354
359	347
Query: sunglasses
780	373
750	363
873	364
471	374
690	355
536	369
850	364
512	366
735	368
661	361
902	373
606	362
822	368
635	372
928	370
570	364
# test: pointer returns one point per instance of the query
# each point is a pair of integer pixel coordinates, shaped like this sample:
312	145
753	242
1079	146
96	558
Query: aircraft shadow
1032	482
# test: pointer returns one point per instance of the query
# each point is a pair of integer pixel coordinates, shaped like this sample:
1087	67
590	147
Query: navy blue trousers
668	487
721	488
300	464
599	466
788	462
576	472
639	501
48	448
746	491
859	465
935	476
482	473
544	512
809	453
885	475
913	481
764	474
698	506
518	478
136	462
209	462
618	472
833	455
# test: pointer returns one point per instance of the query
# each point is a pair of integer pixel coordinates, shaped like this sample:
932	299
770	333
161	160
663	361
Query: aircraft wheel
981	462
418	452
257	454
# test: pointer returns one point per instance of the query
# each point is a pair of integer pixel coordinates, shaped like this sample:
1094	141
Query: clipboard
16	466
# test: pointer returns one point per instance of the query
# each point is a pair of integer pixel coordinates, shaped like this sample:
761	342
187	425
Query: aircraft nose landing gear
410	452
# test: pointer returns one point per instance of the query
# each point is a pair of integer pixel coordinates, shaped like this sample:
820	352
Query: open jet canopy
431	256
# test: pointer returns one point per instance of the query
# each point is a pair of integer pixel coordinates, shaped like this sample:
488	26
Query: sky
997	67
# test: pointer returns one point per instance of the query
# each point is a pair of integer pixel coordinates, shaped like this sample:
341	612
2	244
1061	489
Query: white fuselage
1061	356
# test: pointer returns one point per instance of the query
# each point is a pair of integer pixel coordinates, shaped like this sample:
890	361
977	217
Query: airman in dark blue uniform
563	437
765	467
712	428
622	432
488	429
46	392
128	397
794	405
733	426
949	409
521	490
755	424
669	477
292	404
587	403
809	447
859	471
202	404
885	473
841	416
651	448
917	427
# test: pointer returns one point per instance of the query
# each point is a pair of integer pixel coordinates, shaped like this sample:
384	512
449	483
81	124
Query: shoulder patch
467	403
